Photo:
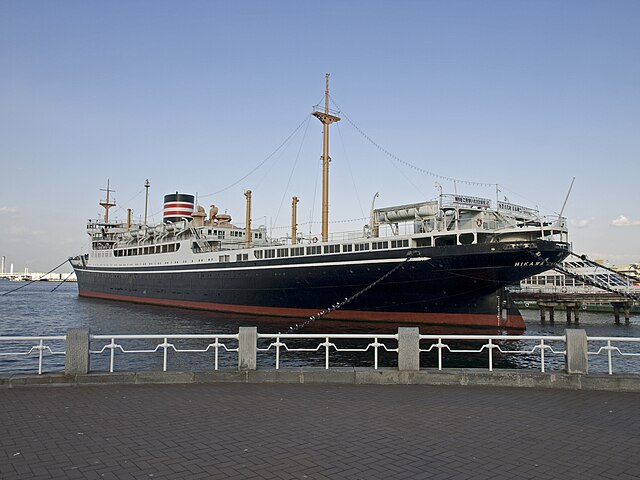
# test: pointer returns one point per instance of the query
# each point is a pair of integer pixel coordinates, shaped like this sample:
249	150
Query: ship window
314	250
399	243
297	251
242	257
269	253
223	258
220	234
257	235
360	247
448	240
379	245
347	248
466	238
283	252
424	242
332	249
257	254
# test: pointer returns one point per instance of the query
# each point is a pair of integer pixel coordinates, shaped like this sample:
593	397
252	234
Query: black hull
453	285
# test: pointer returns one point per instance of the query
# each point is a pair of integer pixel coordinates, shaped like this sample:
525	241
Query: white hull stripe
261	267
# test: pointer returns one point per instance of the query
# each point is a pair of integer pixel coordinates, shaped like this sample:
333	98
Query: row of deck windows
271	252
166	248
317	250
232	233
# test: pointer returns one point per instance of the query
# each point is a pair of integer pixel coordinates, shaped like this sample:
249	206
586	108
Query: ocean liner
439	262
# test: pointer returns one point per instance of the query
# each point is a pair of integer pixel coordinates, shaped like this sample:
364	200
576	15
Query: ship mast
146	199
327	119
106	203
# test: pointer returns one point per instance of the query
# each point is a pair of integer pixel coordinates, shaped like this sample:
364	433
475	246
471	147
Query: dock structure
573	303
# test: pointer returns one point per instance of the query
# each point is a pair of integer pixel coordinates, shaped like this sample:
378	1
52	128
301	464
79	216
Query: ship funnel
178	206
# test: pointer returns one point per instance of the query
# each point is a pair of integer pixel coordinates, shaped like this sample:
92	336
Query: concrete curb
344	376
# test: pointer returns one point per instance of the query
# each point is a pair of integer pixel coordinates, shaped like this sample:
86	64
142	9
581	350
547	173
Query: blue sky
195	94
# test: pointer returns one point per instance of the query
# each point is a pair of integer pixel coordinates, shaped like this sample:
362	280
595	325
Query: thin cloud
622	221
8	210
579	223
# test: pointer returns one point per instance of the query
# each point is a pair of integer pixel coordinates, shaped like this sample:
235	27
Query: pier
573	303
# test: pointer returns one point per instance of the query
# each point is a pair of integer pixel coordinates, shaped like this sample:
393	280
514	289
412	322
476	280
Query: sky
213	98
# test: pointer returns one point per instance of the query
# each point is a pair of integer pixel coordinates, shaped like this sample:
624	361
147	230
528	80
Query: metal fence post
409	348
576	360
76	360
247	348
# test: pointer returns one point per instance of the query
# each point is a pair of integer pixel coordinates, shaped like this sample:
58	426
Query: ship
444	261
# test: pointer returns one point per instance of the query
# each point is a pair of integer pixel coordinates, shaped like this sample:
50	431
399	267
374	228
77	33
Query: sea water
36	310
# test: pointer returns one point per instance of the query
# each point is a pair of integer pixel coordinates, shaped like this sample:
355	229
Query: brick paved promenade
238	431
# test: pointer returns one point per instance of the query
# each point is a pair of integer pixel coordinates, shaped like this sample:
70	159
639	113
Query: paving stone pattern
282	431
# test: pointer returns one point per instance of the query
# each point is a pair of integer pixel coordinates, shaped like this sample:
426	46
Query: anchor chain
342	303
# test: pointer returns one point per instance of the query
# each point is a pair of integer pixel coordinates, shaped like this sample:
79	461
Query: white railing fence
473	344
19	352
181	352
180	344
303	343
624	347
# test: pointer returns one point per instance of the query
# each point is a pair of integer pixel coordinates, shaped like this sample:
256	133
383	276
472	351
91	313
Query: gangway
615	277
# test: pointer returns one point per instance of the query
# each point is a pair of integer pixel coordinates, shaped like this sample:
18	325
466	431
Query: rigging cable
353	180
306	118
284	193
121	207
405	163
62	281
33	281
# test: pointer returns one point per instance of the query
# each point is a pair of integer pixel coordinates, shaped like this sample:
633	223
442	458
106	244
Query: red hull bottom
512	322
